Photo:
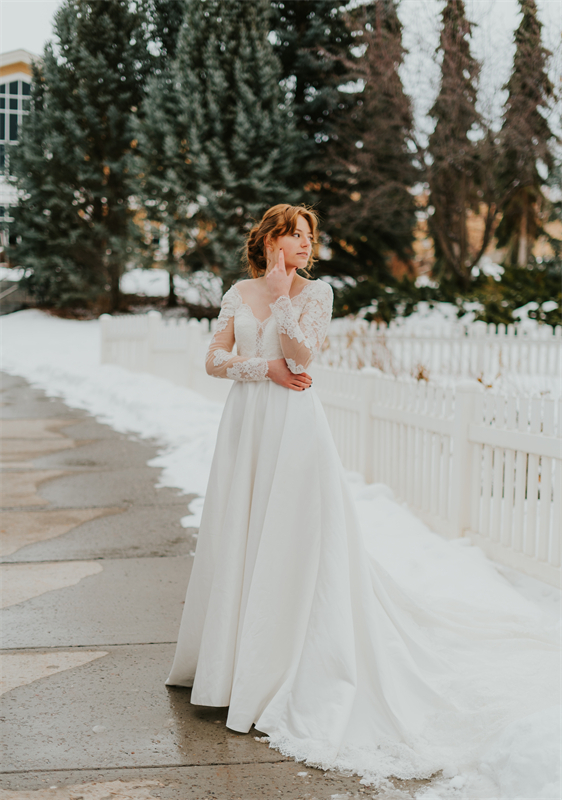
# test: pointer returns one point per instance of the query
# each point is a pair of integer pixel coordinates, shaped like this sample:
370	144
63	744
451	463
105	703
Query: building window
2	211
2	155
19	97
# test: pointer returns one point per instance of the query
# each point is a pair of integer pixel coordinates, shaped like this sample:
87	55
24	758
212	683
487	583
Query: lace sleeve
301	340
220	363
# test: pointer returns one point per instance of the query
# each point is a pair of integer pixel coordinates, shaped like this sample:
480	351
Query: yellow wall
18	66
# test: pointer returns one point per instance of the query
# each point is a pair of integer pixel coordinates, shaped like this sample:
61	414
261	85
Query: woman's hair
277	221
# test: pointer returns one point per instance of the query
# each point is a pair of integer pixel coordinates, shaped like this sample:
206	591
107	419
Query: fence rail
467	462
458	350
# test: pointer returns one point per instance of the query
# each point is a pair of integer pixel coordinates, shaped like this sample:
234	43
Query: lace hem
252	369
374	765
221	357
293	366
282	310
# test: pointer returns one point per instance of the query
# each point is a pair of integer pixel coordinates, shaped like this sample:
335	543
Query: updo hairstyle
279	220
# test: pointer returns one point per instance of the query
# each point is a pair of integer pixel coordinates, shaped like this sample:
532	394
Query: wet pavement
94	565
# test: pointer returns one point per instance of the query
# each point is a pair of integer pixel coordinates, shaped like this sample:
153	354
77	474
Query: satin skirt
291	621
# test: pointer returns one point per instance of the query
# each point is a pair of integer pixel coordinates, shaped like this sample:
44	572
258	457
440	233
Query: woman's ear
267	242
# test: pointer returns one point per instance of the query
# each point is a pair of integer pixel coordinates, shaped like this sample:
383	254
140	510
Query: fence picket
545	481
532	482
509	477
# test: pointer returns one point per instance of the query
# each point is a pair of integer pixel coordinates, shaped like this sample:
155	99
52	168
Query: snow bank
200	288
62	357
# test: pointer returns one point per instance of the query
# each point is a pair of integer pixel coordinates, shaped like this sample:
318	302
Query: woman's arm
301	340
220	362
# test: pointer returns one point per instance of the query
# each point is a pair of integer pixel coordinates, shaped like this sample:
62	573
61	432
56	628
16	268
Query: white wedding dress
290	620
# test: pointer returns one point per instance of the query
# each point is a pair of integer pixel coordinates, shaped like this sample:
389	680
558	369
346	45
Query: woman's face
296	246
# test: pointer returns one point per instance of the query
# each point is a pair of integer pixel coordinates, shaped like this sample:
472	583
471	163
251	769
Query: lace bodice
295	330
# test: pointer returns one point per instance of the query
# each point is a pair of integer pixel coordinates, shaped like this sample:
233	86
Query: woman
288	620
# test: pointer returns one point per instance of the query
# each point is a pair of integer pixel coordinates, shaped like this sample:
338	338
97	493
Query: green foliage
538	283
453	155
70	166
164	179
381	300
371	163
525	139
203	113
241	142
54	241
310	39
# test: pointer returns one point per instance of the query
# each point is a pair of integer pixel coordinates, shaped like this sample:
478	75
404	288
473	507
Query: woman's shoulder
231	298
319	288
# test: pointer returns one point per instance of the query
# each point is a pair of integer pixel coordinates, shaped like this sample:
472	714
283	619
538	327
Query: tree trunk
523	240
115	291
172	297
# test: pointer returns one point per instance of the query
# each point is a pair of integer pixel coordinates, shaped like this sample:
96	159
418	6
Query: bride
289	620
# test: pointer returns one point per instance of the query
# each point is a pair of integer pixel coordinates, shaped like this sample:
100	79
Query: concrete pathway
94	566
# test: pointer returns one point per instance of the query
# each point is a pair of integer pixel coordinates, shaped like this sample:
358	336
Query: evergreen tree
525	139
453	163
370	164
310	39
166	18
55	243
71	163
242	144
160	160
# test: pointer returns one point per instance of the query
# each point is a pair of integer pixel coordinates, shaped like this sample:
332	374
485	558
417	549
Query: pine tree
310	39
241	141
71	163
55	243
160	161
370	164
525	139
453	163
166	17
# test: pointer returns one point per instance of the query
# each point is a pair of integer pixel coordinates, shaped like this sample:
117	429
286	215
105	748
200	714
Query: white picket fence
467	462
454	349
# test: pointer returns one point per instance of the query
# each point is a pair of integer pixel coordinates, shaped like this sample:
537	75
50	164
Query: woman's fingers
301	385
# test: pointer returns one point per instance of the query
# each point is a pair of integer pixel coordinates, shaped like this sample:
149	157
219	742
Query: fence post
105	322
461	489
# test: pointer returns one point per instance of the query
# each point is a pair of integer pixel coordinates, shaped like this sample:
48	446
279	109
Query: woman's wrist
275	297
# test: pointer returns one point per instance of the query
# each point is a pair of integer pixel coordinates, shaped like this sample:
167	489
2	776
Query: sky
28	24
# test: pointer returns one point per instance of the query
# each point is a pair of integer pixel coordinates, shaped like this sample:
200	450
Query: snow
201	288
12	273
62	358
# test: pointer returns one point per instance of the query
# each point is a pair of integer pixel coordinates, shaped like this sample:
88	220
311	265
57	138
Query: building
15	91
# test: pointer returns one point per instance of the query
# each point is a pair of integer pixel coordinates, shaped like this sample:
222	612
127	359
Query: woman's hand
278	280
280	373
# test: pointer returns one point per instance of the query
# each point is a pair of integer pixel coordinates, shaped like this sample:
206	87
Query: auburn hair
278	220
